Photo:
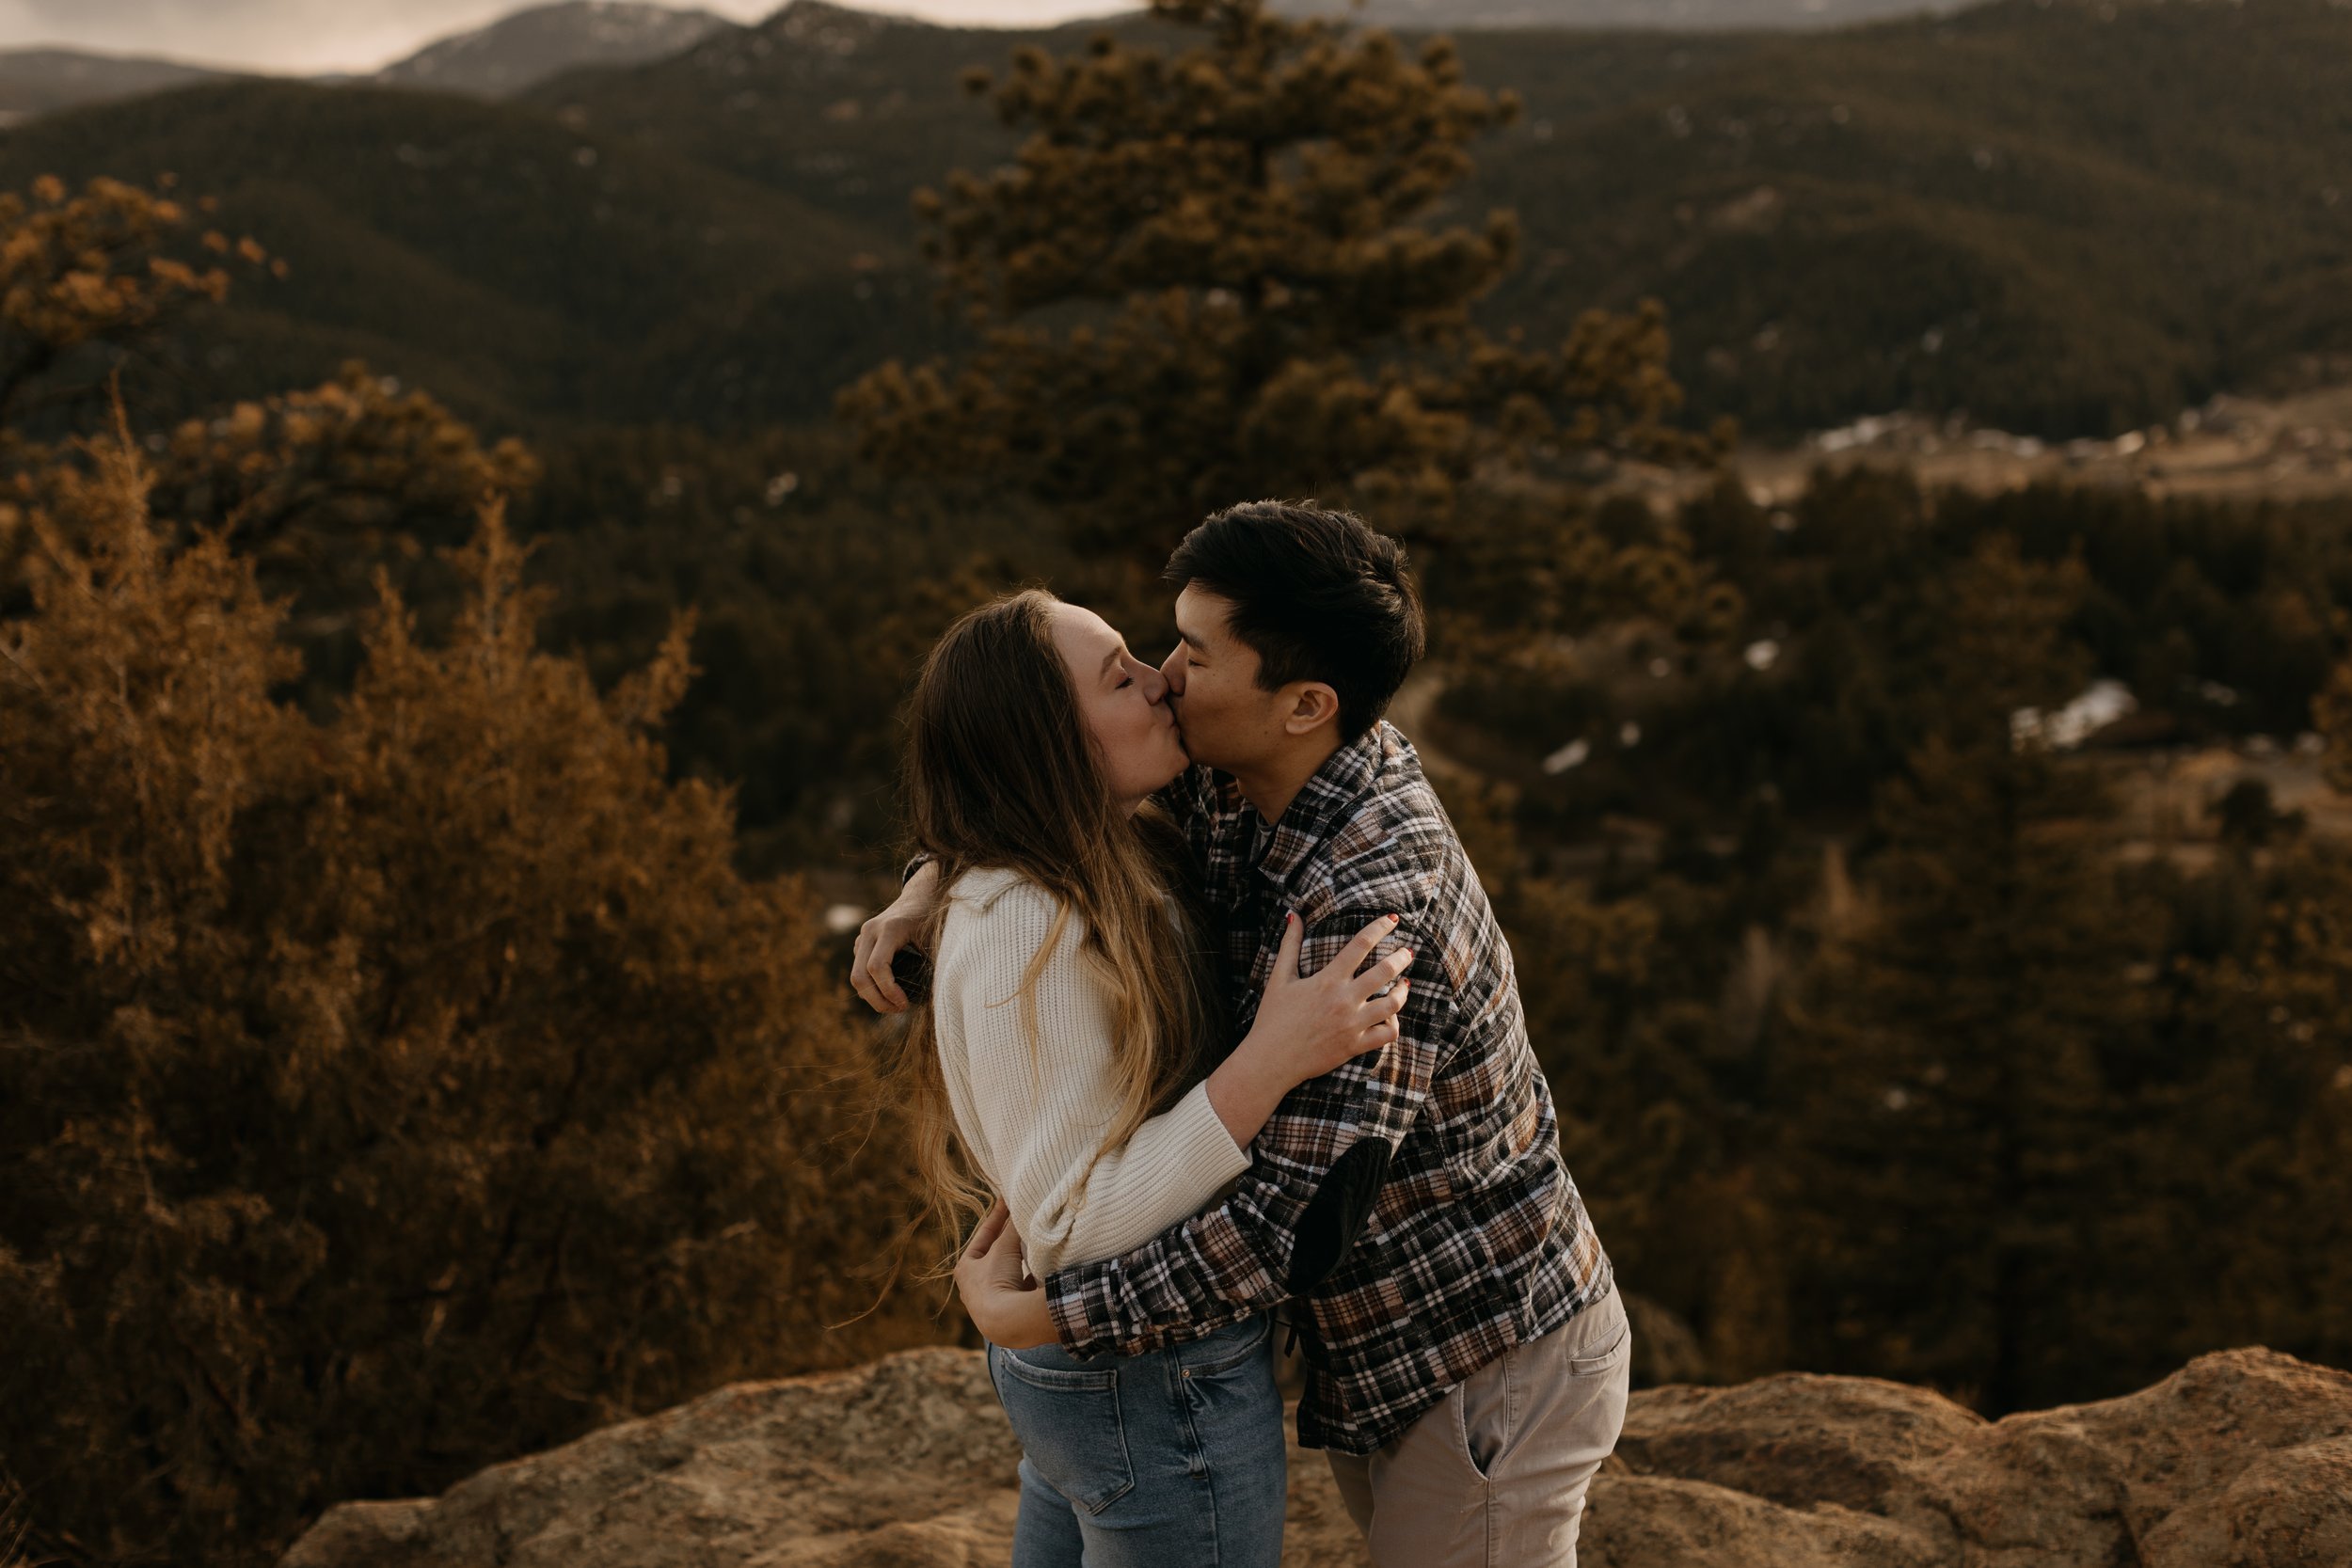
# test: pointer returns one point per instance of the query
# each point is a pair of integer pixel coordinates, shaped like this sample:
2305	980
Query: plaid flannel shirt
1413	1205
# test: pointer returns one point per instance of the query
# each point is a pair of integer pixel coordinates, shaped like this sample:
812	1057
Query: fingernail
1291	919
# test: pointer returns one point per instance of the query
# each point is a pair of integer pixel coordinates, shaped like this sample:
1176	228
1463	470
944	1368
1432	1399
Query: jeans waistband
1220	1347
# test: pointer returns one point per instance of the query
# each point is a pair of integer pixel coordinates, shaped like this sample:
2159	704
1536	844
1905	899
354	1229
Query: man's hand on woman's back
884	937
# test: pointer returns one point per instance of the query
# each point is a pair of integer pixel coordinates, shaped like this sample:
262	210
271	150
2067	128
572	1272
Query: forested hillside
2016	212
522	269
2053	219
2061	218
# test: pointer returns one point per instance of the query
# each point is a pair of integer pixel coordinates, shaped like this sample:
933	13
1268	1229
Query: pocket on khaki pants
1610	1327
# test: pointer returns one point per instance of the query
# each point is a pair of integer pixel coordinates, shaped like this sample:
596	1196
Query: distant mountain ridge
38	81
529	46
1647	15
507	57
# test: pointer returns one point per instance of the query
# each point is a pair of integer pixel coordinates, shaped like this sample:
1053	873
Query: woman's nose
1172	672
1156	684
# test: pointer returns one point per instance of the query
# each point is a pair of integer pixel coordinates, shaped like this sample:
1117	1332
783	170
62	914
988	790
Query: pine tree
385	1093
320	489
1950	1139
1213	276
90	279
2257	1159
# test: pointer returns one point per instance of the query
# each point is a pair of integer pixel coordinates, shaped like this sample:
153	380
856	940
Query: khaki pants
1494	1476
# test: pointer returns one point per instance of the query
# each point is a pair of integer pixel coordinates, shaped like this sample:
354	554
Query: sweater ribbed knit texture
1033	1112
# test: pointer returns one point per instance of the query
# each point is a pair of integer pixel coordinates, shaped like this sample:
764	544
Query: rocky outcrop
2241	1460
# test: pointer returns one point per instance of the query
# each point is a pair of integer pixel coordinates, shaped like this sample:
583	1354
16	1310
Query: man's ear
1315	705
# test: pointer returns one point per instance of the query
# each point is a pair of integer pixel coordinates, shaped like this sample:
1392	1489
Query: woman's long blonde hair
1002	773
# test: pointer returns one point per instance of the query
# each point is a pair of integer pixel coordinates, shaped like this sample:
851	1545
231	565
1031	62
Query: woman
1067	1060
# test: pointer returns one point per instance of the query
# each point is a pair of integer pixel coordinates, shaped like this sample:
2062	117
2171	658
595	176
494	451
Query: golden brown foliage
93	268
383	1095
357	458
321	485
319	488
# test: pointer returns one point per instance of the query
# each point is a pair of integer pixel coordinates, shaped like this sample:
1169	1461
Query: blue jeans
1169	1460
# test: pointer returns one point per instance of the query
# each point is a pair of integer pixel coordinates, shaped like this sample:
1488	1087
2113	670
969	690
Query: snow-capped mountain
530	46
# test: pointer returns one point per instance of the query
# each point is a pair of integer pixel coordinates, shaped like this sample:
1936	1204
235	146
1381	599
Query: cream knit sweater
1033	1117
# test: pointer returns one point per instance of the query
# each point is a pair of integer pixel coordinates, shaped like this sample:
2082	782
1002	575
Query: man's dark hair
1319	595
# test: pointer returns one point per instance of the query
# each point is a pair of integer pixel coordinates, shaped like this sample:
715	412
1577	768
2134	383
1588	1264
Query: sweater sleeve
1045	1109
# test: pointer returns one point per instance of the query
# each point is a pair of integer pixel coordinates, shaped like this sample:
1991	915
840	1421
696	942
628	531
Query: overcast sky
361	35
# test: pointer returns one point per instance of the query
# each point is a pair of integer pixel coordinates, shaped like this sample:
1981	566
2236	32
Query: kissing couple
1221	1030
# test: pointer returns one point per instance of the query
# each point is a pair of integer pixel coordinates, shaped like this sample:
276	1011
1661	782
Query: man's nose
1172	671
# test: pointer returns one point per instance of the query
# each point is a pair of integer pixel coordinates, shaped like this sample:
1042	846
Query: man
1466	1356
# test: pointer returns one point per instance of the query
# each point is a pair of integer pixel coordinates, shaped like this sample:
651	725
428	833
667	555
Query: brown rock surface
2240	1460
